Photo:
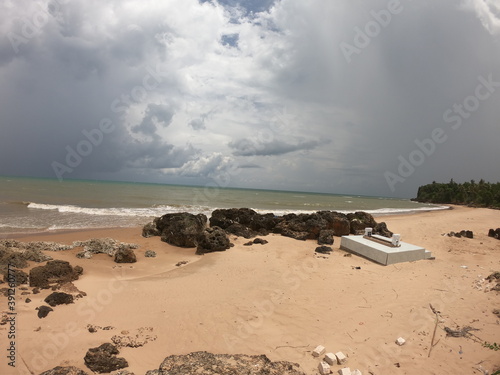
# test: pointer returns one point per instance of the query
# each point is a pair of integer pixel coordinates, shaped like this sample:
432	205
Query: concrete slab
381	253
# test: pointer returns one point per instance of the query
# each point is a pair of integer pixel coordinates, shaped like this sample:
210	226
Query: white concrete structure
381	249
400	341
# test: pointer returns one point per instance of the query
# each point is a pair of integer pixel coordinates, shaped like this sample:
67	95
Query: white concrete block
320	349
330	358
341	358
400	341
324	368
345	371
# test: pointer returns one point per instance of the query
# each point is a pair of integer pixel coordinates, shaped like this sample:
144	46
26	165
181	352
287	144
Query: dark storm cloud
185	104
246	147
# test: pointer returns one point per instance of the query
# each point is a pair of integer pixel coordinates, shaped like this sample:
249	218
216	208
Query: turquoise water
33	204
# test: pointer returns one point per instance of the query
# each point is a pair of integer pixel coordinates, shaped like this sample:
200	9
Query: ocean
38	205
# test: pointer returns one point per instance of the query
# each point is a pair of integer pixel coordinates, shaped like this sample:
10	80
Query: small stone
356	372
400	341
27	300
320	349
341	358
345	371
324	368
330	358
150	254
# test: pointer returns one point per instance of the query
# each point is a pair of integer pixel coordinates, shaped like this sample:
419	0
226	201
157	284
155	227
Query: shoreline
279	299
20	234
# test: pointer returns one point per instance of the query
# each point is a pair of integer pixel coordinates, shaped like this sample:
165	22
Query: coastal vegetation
477	194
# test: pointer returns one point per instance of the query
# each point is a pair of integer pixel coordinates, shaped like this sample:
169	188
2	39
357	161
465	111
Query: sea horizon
38	204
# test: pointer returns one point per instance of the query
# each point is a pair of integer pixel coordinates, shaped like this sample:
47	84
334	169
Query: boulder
224	364
103	359
150	254
64	370
36	255
12	257
125	256
20	277
381	229
325	237
495	233
212	239
55	271
313	224
181	229
59	298
150	230
260	241
359	221
107	246
43	311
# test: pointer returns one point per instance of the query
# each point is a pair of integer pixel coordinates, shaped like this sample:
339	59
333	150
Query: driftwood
436	313
464	332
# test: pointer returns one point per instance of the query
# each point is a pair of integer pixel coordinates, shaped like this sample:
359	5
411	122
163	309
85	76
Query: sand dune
278	299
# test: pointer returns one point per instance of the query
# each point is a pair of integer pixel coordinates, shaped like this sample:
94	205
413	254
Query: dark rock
359	221
260	241
103	359
27	300
249	243
20	276
150	254
66	370
125	256
495	233
36	255
12	257
36	290
181	229
301	236
150	230
55	271
225	364
244	222
59	298
43	311
313	224
381	229
325	237
212	239
323	249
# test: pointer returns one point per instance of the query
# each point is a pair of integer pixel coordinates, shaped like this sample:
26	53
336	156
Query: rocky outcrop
103	359
125	256
150	230
54	272
309	226
181	229
150	254
20	277
212	239
244	222
360	220
107	246
64	370
224	364
59	298
381	229
325	237
462	233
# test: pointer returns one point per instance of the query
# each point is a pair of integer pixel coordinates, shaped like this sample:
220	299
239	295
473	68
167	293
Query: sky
337	96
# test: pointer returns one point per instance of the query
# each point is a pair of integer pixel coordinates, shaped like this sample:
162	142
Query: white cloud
488	11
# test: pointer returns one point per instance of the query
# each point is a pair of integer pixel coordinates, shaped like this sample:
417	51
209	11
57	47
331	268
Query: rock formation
54	272
103	359
64	370
59	298
224	364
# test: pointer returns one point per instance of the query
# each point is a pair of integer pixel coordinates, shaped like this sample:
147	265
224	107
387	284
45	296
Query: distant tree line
481	194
